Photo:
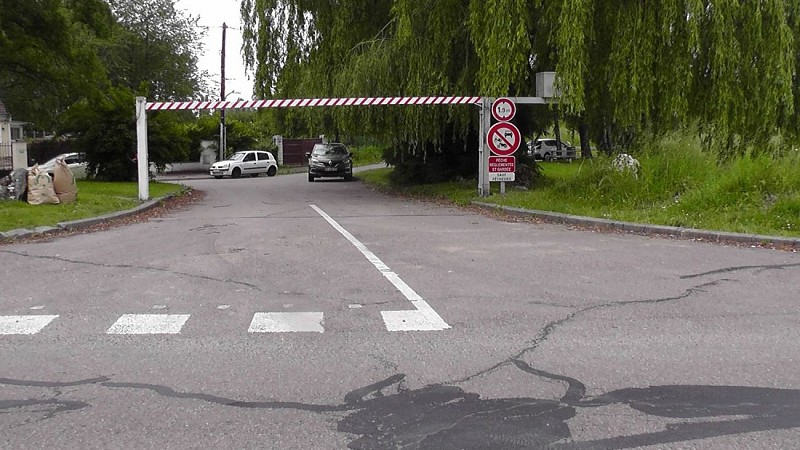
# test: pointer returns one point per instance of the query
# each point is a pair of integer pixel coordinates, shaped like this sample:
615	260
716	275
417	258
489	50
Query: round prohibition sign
504	109
503	138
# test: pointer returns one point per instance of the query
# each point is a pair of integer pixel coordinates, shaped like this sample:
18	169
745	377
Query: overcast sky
212	14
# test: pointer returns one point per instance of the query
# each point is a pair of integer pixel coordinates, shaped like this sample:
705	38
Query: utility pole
222	134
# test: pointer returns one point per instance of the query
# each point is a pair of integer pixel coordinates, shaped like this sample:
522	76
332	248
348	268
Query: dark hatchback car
330	160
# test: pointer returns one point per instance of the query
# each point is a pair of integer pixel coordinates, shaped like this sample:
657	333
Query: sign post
503	139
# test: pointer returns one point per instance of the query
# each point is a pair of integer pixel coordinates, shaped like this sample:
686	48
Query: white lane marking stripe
24	324
149	324
287	322
418	302
361	247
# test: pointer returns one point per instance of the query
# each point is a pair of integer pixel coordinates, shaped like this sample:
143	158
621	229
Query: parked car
75	161
547	150
330	160
250	162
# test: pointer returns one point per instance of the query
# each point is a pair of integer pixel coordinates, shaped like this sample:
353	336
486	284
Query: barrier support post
141	148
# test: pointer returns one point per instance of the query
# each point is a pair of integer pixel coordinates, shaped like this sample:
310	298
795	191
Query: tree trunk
583	132
557	128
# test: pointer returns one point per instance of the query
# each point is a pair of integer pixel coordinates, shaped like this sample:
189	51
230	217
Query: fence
6	157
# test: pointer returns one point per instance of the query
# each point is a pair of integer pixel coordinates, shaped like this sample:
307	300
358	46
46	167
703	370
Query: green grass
460	193
366	155
679	185
94	198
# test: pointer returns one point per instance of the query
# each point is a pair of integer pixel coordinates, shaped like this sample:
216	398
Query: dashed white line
423	319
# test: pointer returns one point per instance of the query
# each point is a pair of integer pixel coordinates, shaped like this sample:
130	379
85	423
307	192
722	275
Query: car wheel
219	177
548	157
237	172
348	177
310	178
272	171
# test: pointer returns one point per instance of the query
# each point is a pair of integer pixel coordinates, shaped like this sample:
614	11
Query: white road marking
423	319
287	322
37	307
24	324
223	306
149	324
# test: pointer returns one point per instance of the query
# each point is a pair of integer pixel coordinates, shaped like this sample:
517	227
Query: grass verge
95	198
678	185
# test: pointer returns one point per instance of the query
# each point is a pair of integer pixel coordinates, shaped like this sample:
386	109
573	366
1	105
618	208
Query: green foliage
105	130
626	68
153	50
366	155
47	54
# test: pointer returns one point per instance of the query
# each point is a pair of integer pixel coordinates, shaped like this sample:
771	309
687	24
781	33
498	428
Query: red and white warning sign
502	168
499	164
504	109
503	138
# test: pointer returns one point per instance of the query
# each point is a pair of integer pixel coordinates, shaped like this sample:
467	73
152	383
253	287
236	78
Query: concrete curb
83	223
647	229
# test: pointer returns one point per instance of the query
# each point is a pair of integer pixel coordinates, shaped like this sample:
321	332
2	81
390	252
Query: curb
647	229
83	223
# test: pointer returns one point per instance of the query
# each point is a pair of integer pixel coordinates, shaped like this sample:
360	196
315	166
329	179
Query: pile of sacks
41	189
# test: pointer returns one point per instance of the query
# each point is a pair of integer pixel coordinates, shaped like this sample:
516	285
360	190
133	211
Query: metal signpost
503	139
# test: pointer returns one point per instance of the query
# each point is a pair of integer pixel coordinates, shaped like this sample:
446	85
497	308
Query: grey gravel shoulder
83	223
647	229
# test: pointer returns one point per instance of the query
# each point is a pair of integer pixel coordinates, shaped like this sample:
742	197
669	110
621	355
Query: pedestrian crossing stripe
30	324
262	322
149	324
287	322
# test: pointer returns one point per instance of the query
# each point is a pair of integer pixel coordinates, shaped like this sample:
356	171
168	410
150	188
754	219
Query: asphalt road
278	313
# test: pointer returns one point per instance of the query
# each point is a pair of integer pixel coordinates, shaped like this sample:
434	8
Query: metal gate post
141	148
483	149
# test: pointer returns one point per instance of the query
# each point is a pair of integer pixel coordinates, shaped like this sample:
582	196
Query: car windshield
237	156
326	150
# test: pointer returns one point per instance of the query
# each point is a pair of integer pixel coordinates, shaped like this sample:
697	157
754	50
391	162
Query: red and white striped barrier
311	102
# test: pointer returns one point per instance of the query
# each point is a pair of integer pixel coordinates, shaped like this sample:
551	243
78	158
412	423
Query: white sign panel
501	176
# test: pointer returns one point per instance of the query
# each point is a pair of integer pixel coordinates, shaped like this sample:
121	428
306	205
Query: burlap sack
40	187
64	182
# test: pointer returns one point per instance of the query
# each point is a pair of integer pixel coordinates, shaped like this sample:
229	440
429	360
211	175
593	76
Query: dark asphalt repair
385	415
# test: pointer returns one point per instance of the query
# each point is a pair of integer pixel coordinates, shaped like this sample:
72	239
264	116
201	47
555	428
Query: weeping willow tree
725	67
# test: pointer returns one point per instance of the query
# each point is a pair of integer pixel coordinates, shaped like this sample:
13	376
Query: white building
13	148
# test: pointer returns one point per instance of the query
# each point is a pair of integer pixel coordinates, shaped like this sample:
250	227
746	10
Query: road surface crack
548	329
131	266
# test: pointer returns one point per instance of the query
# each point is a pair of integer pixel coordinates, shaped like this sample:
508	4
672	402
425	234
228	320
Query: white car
250	162
547	150
76	161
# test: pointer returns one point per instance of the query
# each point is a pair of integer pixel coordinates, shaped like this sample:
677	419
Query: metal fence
6	157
